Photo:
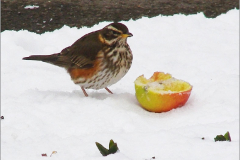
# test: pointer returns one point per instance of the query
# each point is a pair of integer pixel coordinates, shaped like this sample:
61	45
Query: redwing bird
96	60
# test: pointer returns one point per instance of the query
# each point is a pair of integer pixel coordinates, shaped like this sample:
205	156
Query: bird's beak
127	35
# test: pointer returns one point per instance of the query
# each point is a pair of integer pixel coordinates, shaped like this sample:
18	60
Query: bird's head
114	32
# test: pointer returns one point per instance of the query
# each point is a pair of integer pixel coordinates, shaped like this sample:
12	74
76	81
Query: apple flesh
161	92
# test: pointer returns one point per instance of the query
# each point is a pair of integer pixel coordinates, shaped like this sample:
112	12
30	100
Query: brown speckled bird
96	60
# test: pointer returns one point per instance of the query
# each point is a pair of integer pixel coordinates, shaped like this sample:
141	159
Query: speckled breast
112	66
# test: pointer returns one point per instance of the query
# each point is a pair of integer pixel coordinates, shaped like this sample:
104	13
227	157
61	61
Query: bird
97	60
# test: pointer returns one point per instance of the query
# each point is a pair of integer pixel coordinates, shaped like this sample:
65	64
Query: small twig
54	152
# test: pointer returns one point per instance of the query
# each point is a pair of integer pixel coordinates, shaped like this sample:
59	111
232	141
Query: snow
31	7
44	111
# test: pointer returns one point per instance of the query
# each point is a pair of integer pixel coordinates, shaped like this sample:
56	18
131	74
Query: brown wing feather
82	53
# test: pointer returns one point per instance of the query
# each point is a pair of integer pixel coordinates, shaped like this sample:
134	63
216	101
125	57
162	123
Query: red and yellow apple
161	92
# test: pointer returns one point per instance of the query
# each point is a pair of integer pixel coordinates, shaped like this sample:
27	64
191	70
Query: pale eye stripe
114	29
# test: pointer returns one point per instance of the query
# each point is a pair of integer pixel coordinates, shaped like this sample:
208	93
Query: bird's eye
115	33
112	33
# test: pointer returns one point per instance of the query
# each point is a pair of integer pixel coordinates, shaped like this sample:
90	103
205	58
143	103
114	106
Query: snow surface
45	111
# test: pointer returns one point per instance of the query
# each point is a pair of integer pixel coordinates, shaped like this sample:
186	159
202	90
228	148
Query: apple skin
153	102
161	102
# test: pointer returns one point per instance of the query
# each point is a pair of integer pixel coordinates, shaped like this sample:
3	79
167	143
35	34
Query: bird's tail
54	59
45	58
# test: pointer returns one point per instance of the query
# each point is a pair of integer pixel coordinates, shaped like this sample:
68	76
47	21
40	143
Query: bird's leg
108	90
85	93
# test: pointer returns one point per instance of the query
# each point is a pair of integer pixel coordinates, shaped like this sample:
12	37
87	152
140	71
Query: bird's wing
83	52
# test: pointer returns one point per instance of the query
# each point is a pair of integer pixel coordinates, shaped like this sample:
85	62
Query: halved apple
161	92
